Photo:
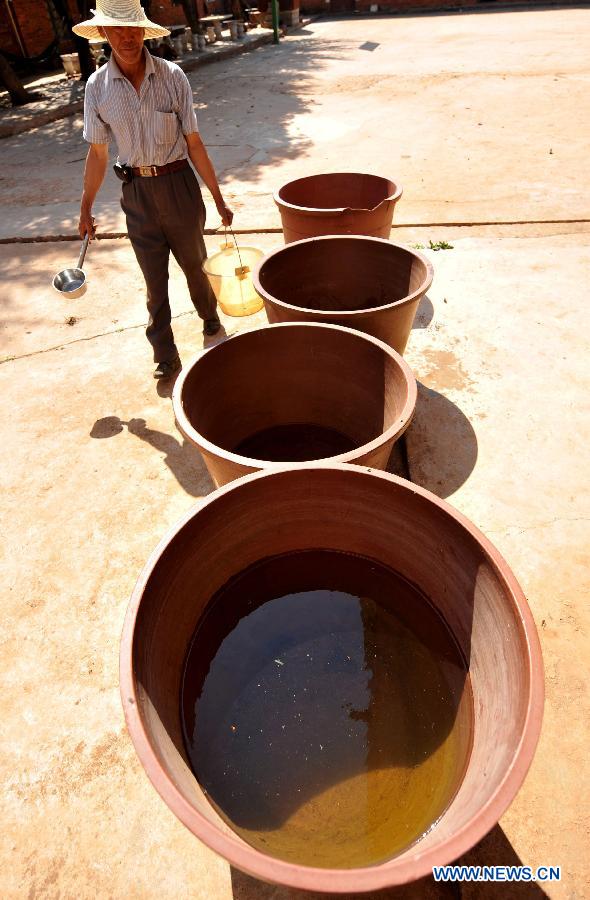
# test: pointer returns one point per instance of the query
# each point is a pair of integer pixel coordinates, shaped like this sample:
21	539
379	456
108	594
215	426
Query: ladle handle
83	250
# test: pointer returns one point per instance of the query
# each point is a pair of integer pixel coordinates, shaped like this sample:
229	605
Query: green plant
440	245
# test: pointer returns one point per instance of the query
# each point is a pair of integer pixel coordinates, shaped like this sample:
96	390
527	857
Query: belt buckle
148	171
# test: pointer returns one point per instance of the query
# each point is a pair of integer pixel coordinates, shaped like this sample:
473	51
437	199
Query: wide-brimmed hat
115	13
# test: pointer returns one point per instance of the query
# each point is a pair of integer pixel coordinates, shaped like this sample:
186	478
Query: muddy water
326	709
295	443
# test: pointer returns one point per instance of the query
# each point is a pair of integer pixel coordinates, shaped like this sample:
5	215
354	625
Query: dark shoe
167	369
211	326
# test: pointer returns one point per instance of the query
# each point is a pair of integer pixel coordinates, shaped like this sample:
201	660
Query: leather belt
154	171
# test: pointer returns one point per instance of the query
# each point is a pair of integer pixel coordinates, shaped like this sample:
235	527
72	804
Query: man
146	104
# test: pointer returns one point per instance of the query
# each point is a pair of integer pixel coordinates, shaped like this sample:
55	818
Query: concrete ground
95	471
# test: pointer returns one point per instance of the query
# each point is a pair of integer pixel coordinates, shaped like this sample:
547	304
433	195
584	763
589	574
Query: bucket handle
241	271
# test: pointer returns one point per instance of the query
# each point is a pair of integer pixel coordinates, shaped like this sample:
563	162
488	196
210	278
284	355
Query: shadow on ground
494	850
165	386
210	340
424	313
441	442
398	459
183	459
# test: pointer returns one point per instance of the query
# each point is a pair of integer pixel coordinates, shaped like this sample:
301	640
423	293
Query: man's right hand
86	224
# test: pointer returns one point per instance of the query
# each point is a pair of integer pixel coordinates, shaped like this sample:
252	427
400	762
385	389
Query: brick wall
37	31
7	41
34	23
164	13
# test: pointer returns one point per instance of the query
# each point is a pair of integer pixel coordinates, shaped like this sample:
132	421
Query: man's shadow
493	850
183	459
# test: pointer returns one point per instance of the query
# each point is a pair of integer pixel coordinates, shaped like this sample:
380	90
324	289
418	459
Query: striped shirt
148	127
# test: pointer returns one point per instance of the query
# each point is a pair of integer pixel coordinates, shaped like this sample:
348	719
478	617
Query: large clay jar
353	510
310	391
369	284
337	203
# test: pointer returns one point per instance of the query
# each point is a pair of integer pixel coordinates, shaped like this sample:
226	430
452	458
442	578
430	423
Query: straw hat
115	13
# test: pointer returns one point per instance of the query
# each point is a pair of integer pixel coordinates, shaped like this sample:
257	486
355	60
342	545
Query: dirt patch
446	372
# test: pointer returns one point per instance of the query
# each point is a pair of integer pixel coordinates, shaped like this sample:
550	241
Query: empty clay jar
313	391
414	533
337	203
365	283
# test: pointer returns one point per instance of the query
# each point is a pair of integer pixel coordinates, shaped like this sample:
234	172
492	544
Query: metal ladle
72	282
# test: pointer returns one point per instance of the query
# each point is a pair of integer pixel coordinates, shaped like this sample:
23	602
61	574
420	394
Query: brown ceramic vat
414	532
294	374
337	203
365	283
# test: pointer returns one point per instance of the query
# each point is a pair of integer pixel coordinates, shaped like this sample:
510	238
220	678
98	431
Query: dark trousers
166	213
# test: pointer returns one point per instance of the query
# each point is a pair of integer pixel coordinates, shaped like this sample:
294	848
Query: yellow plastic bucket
230	276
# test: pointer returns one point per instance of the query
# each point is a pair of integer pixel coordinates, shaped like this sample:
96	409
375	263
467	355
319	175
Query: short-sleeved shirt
148	127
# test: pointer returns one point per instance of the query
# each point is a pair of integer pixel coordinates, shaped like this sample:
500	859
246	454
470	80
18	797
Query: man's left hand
225	213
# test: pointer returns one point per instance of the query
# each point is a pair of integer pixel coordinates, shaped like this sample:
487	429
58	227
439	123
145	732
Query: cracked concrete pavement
95	470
